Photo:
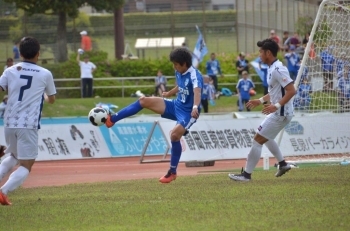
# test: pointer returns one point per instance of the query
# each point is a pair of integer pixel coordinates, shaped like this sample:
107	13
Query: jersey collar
273	62
24	61
188	70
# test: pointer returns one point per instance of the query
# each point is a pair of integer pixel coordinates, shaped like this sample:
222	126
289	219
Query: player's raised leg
155	104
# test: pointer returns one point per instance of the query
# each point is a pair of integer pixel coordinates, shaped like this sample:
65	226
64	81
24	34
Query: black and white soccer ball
98	116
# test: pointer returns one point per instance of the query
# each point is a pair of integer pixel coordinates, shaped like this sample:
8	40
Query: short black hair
269	45
181	55
29	47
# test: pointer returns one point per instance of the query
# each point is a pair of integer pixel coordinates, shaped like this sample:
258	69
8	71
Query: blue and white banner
200	50
129	139
76	138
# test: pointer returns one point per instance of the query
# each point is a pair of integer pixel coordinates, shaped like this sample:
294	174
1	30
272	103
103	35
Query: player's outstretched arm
256	102
171	92
196	102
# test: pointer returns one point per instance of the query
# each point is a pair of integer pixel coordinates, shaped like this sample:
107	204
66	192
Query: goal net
322	102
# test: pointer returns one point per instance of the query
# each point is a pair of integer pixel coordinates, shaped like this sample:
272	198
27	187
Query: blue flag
255	64
200	50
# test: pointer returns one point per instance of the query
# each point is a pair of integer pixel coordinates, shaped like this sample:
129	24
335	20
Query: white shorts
272	125
22	143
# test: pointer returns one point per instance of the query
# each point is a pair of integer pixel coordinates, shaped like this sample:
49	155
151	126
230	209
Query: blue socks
176	150
130	110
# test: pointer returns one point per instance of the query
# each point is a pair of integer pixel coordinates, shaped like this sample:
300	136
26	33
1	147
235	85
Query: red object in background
252	92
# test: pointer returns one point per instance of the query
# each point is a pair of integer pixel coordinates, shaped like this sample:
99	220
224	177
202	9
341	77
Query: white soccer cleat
238	177
282	170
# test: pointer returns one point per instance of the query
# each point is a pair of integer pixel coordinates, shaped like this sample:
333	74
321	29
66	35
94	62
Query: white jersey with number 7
26	84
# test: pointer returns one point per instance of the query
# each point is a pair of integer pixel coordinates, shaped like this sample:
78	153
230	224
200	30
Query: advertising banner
128	139
232	138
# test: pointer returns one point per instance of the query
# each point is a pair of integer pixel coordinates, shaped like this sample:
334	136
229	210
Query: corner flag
200	50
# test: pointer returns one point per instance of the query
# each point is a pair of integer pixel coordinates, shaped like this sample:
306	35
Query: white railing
123	86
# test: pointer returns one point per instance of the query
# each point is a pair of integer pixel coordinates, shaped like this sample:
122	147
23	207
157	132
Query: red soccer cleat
108	122
169	177
4	200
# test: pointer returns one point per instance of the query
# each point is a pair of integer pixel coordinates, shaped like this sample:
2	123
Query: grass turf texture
305	199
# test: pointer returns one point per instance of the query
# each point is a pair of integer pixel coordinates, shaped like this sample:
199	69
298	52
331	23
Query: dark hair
9	60
29	47
269	45
181	55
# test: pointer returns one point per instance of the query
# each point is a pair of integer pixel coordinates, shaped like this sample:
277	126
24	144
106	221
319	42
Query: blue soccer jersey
244	86
186	82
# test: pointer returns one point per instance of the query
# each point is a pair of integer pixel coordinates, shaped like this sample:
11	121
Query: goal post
323	82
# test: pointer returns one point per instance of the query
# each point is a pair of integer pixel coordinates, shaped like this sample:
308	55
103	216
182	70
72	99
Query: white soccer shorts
22	143
272	125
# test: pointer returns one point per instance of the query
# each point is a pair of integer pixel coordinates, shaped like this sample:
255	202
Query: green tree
63	9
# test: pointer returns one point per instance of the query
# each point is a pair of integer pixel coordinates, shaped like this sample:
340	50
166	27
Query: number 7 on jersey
25	87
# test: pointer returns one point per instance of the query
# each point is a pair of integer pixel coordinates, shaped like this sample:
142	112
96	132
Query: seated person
160	82
344	90
302	99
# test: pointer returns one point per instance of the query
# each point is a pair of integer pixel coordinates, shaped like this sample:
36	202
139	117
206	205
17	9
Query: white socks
253	157
274	149
15	180
6	165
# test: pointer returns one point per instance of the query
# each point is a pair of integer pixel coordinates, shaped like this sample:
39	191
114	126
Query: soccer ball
80	51
98	116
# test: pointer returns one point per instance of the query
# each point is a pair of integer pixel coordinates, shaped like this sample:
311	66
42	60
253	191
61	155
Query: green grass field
305	199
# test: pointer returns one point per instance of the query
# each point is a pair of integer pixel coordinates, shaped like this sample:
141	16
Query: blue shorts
178	114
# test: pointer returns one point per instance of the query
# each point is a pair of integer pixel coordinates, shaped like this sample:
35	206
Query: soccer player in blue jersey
184	109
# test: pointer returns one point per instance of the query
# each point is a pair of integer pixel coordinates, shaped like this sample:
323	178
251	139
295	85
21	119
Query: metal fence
256	18
121	84
228	26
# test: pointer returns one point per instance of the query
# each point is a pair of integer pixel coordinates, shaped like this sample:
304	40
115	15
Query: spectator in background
275	37
86	70
292	59
263	67
344	90
16	55
86	43
208	93
160	82
3	105
306	40
213	69
285	41
294	40
244	86
340	62
9	63
242	64
327	62
303	97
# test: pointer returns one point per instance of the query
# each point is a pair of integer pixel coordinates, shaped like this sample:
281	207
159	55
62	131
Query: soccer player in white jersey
28	85
280	112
